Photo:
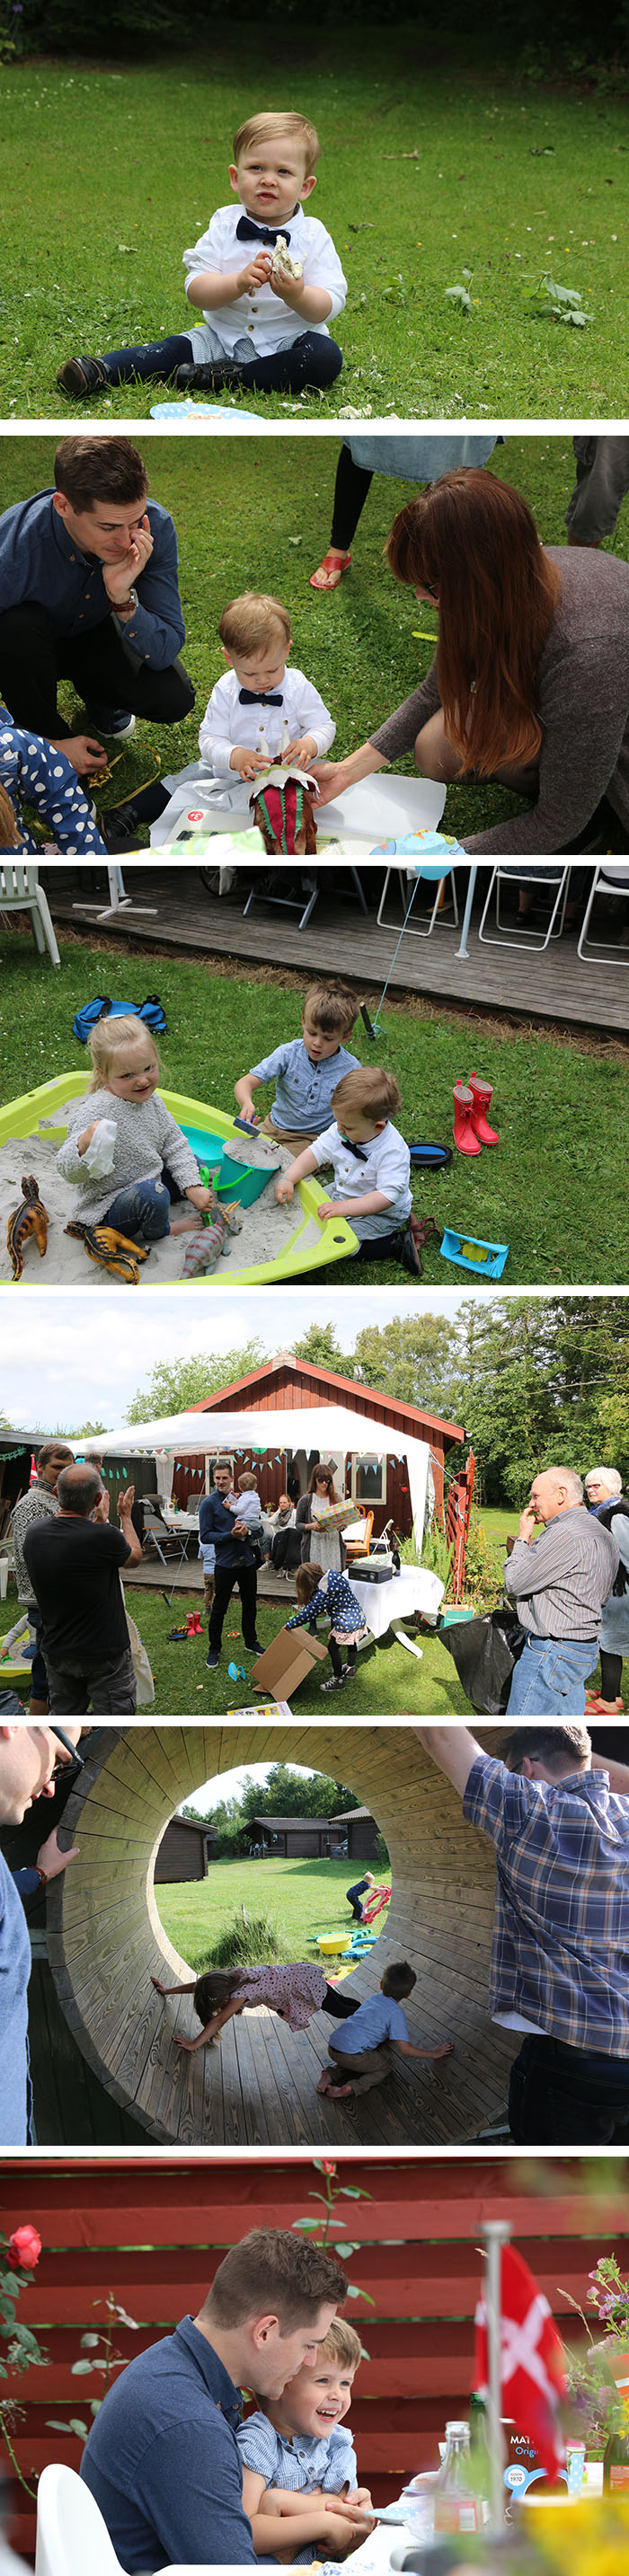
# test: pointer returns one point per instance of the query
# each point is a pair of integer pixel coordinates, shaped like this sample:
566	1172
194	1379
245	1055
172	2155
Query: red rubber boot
482	1094
465	1138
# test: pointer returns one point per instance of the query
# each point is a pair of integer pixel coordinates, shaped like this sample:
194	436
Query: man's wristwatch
119	605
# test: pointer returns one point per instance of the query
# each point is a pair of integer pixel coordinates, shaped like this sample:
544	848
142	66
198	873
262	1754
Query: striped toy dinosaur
114	1251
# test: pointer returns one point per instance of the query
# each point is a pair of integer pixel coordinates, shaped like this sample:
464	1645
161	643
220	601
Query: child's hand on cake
302	751
257	274
248	763
290	290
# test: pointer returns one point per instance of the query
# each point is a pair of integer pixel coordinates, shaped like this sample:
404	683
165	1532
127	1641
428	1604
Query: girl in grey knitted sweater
124	1150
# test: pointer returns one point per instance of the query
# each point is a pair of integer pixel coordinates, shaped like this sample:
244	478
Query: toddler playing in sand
129	1157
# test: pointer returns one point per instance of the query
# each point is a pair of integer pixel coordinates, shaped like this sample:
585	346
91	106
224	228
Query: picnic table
413	1590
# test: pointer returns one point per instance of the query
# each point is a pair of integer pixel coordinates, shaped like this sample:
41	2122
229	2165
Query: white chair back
71	2534
72	2539
18	885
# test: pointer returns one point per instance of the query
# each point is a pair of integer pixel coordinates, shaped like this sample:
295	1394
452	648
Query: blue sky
67	1360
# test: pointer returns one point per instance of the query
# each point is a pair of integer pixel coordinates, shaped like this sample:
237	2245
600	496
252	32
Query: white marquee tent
328	1428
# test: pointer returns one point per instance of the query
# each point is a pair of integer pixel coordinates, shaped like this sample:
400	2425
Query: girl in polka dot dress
33	773
331	1594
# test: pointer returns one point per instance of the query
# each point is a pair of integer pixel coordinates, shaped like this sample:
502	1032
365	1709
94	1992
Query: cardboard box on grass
288	1661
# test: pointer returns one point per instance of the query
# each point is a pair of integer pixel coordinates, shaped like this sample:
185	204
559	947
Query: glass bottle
457	2508
616	2462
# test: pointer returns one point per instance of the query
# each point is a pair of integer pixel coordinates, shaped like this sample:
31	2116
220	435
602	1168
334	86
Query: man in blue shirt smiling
162	2458
89	591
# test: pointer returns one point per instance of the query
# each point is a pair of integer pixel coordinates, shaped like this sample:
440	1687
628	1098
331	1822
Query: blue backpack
102	1009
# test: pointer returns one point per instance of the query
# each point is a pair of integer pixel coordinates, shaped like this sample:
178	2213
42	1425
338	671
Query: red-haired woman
529	686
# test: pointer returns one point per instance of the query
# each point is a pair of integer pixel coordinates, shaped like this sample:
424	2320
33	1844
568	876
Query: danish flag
532	2360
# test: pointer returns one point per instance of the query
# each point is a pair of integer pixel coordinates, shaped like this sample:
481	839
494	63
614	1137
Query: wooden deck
150	1576
551	986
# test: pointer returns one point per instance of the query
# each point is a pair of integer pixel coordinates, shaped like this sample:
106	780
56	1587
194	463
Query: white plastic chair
545	876
72	2538
609	878
20	891
435	873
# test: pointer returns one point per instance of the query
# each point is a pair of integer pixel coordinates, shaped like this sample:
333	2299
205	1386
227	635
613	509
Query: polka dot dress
33	773
336	1601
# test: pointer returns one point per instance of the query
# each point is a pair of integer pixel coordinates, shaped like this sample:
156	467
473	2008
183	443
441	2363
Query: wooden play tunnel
258	2086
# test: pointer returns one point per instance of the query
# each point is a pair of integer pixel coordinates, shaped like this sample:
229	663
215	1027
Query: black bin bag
485	1651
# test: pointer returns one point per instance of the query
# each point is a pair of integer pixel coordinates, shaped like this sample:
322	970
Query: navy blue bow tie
358	1150
246	231
258	698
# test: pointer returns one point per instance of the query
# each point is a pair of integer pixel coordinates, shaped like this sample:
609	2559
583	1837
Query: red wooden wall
152	2229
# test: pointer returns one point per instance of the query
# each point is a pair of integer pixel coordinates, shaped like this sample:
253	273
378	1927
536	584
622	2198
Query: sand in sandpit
266	1228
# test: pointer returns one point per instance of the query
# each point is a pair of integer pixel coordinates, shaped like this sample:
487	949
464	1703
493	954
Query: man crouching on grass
559	1818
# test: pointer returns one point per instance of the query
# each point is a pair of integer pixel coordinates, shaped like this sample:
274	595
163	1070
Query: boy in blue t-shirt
364	2055
299	2474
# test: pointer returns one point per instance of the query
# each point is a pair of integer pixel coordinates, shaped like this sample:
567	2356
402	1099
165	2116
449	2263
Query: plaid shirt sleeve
561	1925
499	1801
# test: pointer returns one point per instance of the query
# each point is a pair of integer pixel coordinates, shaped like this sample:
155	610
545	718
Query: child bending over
330	1595
300	2480
371	1167
131	1169
365	2055
306	1070
259	710
294	1992
261	323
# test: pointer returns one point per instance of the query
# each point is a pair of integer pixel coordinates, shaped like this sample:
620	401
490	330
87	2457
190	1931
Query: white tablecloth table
384	1604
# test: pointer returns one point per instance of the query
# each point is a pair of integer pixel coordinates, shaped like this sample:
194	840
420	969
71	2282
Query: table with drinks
453	2500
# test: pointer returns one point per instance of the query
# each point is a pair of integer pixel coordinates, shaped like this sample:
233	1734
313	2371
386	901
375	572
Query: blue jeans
550	1677
143	1210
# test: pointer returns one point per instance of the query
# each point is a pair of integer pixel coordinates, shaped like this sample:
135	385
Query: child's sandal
329	573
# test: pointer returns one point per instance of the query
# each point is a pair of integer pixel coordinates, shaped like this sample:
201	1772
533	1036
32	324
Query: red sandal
335	571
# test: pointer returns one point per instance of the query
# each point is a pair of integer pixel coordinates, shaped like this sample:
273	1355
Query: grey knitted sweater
583	707
146	1137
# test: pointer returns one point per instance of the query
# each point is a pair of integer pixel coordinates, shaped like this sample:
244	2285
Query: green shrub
249	1941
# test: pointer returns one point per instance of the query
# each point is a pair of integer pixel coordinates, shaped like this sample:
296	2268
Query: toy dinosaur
114	1251
204	1250
29	1218
282	807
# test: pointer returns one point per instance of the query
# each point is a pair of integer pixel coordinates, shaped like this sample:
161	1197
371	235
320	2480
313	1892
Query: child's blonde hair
269	125
10	837
330	1007
248	622
369	1092
112	1038
247	1484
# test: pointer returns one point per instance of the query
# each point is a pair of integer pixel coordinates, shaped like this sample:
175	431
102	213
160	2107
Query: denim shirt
163	2463
41	562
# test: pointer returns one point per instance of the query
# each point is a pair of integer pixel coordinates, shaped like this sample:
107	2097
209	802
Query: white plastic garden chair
508	869
609	878
20	891
435	874
72	2539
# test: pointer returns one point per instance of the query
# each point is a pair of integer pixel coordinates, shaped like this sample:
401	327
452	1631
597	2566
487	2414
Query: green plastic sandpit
334	1241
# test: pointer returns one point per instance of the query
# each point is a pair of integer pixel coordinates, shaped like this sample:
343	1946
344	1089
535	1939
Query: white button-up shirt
263	728
386	1167
261	317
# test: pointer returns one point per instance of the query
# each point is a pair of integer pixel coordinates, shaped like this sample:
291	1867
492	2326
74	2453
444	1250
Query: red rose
326	2166
23	2249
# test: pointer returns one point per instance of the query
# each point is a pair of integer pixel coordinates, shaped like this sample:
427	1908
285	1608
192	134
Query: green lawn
426	170
245	520
534	1193
248	524
301	1897
390	1682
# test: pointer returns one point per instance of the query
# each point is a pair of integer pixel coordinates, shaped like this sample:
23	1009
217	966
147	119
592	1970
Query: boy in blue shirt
364	2055
305	1070
265	280
299	2482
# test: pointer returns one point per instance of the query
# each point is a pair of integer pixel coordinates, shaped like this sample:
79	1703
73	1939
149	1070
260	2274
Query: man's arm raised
453	1749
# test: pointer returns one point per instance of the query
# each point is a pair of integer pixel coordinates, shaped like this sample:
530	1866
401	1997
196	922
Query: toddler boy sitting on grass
371	1166
260	710
306	1070
261	324
299	2484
